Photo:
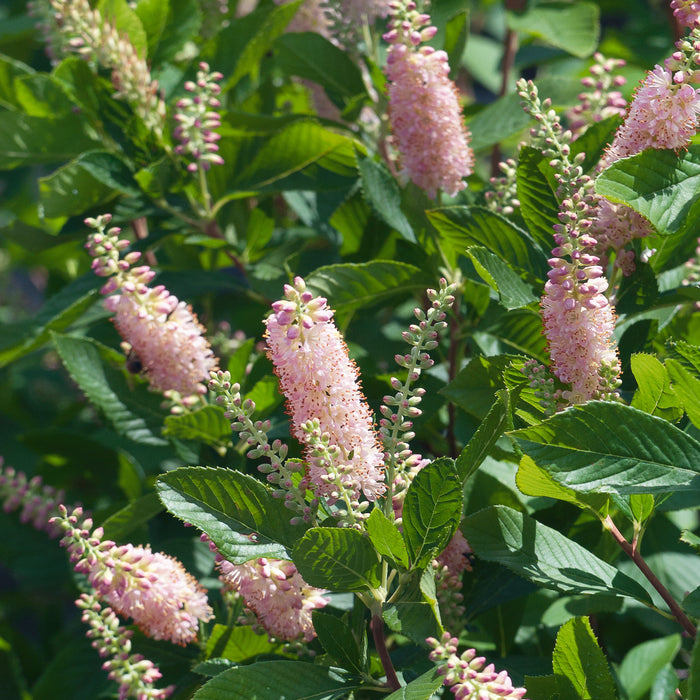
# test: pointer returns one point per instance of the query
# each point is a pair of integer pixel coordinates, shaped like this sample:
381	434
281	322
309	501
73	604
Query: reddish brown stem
637	558
377	627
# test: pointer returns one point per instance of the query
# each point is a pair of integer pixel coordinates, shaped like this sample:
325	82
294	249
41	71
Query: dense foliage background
305	188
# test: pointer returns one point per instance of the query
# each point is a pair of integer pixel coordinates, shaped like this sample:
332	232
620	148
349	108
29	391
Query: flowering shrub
349	349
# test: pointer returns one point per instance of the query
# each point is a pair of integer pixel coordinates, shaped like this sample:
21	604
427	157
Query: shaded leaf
654	394
386	538
644	662
422	688
338	641
207	425
132	516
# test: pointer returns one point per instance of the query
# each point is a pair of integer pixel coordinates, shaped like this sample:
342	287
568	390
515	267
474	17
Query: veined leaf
543	555
655	394
644	662
228	506
422	688
206	424
386	538
612	448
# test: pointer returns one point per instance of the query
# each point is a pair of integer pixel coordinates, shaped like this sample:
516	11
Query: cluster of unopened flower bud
543	384
408	26
503	198
686	12
197	120
285	475
401	409
134	674
601	100
38	502
467	676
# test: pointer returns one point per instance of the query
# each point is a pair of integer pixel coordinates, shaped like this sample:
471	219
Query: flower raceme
329	414
424	112
150	587
160	331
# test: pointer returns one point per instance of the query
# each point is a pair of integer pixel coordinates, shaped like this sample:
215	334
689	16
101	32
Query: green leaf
127	519
286	680
693	692
654	395
543	555
488	433
512	291
337	639
456	34
541	687
239	643
387	539
352	286
42	95
642	506
687	388
153	15
431	511
691	603
574	27
539	205
229	506
659	184
422	688
82	358
534	481
415	613
118	14
579	664
182	25
10	69
382	193
207	425
27	140
644	662
692	539
462	227
59	312
612	448
311	56
337	559
242	46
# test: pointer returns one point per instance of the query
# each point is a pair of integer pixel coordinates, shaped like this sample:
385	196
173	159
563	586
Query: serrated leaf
415	612
580	667
59	312
337	639
512	291
228	506
687	389
490	430
382	193
644	662
337	559
690	538
659	184
207	425
422	688
286	680
431	511
462	227
612	448
386	538
642	506
310	55
654	394
573	27
352	286
131	516
534	481
81	357
543	555
240	643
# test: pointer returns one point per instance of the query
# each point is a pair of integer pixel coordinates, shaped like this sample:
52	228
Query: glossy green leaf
642	506
207	425
431	511
644	662
612	448
415	613
41	95
543	555
153	15
337	639
660	185
512	291
228	506
286	680
691	603
382	193
687	389
386	538
534	481
10	69
310	55
57	314
654	394
118	14
127	519
82	358
574	27
580	667
239	643
490	430
337	559
422	688
463	227
351	286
